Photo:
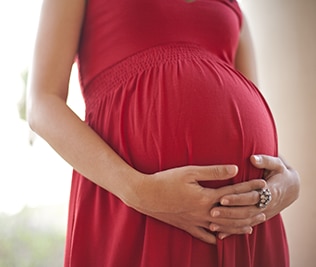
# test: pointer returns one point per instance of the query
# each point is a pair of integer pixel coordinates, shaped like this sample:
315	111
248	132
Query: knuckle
205	201
228	213
236	223
280	164
254	197
216	172
247	214
237	188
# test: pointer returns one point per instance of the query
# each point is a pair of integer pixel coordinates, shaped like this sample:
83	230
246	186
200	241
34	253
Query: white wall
284	33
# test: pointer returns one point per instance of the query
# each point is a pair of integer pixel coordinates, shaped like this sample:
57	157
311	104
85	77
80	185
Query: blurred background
35	182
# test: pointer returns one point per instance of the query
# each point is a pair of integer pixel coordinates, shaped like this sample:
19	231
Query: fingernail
222	236
214	227
231	170
250	231
215	213
262	217
224	202
257	158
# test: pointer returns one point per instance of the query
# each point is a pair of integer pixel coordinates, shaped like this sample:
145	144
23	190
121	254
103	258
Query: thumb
267	162
216	172
257	161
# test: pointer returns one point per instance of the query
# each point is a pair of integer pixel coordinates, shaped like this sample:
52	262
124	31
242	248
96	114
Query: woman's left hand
240	211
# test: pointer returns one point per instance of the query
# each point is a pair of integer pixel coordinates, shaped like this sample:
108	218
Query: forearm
80	146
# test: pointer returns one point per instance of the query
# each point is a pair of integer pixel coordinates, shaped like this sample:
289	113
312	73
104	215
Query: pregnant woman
169	119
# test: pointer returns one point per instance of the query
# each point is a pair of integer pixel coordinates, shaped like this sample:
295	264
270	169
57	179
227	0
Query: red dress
160	88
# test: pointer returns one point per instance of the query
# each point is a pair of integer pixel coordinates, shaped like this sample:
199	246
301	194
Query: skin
160	195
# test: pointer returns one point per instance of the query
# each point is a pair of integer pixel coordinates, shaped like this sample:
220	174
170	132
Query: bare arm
48	114
245	60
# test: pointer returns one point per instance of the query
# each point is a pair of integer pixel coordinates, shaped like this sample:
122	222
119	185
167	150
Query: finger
214	172
240	188
203	235
267	162
237	226
243	199
220	214
222	235
231	230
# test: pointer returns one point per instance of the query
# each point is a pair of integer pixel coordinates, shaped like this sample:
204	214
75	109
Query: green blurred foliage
32	238
22	101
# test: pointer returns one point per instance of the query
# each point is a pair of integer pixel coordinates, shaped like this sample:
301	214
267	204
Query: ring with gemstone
264	197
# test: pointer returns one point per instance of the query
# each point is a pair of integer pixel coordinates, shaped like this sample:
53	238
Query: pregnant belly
192	110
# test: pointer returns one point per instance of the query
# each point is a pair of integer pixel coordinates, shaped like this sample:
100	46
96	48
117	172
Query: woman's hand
282	180
175	196
240	211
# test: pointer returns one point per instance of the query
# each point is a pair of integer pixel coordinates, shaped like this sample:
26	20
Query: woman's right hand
175	196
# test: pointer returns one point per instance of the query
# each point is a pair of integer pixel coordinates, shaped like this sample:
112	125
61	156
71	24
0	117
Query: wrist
132	190
284	190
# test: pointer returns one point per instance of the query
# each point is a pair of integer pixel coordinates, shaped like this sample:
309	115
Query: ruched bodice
120	28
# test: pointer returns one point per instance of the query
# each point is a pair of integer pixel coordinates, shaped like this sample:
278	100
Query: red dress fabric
160	88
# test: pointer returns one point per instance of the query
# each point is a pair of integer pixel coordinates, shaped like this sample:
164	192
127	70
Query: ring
264	197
